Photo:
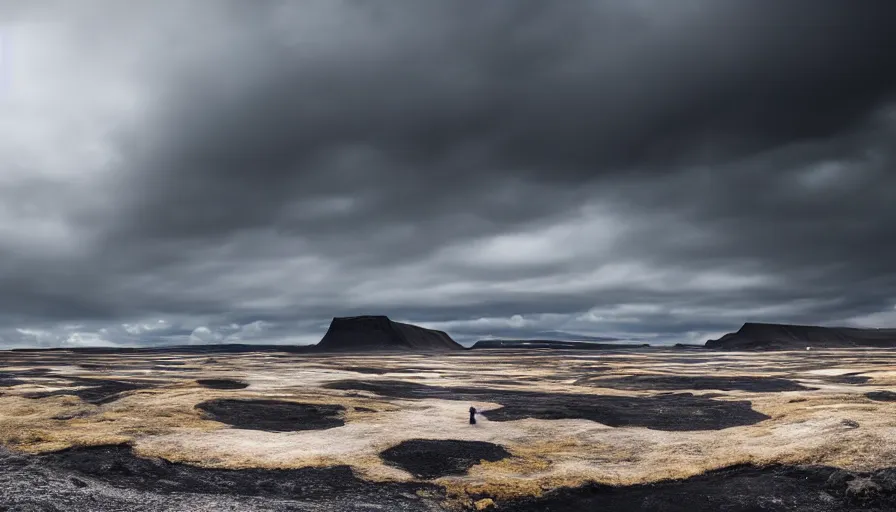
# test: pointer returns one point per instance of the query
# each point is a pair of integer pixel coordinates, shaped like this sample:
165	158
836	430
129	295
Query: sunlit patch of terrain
809	414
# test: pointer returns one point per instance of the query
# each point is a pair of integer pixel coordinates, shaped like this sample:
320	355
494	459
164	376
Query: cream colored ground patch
831	372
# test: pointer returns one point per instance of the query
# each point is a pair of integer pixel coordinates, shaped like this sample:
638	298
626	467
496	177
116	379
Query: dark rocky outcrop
847	378
7	379
93	391
881	396
757	336
698	382
738	488
364	333
114	479
434	458
222	384
273	415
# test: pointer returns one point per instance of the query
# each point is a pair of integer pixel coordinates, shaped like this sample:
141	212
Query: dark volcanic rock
736	489
118	466
221	384
839	480
31	372
9	379
94	391
673	412
361	333
848	378
273	415
369	370
111	478
881	396
676	382
798	337
13	377
505	382
433	458
886	479
862	490
850	423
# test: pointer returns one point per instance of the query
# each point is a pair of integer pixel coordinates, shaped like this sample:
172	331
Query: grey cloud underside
648	170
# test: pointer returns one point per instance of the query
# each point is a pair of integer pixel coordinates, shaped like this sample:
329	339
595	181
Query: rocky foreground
113	479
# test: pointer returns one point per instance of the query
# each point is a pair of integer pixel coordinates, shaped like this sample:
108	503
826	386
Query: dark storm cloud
643	169
415	105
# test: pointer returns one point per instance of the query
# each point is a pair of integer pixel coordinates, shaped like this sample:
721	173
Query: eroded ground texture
644	429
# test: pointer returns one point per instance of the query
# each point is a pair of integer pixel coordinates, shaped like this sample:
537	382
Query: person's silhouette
472	415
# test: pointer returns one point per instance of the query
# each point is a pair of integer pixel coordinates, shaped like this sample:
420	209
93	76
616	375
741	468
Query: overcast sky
212	171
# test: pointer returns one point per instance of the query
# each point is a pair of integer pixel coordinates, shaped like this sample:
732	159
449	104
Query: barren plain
639	429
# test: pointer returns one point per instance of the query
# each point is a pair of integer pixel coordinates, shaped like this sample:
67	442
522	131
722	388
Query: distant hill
555	344
363	333
759	336
563	336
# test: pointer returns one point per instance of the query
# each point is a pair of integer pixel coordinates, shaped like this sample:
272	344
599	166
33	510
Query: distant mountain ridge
345	334
555	344
565	336
363	333
379	333
754	336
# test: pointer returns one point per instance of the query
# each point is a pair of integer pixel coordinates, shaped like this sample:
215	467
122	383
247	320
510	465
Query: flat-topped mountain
360	333
779	336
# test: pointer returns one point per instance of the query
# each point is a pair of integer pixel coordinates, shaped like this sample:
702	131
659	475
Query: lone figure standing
472	415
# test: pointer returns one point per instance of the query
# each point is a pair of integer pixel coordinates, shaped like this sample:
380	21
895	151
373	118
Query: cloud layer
210	172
